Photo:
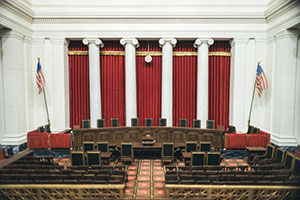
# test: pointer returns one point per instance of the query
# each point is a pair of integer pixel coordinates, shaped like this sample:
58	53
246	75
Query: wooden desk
254	150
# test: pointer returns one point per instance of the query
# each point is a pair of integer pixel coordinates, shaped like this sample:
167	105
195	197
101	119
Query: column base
284	140
14	139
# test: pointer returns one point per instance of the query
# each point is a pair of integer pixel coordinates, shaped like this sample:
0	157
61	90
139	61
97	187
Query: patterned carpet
146	179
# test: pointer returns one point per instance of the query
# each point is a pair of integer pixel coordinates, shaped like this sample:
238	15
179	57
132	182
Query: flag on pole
261	80
40	80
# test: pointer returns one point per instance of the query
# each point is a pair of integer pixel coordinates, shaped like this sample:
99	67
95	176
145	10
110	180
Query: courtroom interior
149	99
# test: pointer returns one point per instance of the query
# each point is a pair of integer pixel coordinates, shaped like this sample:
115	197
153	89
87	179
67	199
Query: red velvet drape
79	84
184	84
112	69
148	76
219	84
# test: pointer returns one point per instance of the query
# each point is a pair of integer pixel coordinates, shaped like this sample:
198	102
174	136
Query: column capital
163	41
96	41
132	41
200	41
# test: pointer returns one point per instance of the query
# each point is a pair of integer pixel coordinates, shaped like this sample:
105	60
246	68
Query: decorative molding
14	25
14	139
150	20
151	53
19	9
12	34
279	7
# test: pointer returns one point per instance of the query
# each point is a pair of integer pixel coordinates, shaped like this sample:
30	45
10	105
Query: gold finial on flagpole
38	59
258	62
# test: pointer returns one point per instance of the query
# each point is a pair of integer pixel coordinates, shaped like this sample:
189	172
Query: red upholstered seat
60	140
236	140
37	140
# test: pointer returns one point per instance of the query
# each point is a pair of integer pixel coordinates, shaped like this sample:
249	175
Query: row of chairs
148	122
278	156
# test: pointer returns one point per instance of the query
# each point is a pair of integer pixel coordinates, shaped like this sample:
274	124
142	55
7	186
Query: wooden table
254	150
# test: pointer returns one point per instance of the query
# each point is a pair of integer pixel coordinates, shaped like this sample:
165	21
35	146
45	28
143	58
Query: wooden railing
61	191
232	192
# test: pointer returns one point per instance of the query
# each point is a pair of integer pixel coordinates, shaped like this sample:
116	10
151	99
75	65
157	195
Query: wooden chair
168	152
126	152
103	146
267	157
100	123
88	146
183	122
288	162
162	122
198	158
190	146
93	158
205	146
196	123
86	123
134	122
210	124
77	158
296	166
114	122
148	122
213	158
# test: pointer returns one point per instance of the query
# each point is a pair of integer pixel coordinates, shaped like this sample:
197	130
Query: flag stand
252	99
45	102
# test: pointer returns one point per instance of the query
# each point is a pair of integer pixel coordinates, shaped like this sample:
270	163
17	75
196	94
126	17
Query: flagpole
45	101
252	99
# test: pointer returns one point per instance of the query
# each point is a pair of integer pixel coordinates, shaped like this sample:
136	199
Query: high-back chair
93	158
210	123
183	122
198	158
148	122
126	152
162	122
114	122
168	152
77	158
213	158
196	123
205	146
190	146
134	122
88	146
103	146
86	123
100	123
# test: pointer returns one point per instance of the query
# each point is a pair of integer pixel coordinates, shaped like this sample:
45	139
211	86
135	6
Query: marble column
202	44
130	45
95	87
167	45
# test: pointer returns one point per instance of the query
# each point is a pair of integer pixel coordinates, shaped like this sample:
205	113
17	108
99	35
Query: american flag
40	80
261	80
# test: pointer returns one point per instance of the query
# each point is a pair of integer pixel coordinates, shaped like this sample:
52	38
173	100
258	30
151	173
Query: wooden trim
14	158
77	152
163	150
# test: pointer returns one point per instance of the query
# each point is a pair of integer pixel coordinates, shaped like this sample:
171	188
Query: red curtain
148	78
219	84
79	84
112	70
184	84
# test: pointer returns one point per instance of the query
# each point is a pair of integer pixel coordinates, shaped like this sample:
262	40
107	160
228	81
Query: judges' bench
115	135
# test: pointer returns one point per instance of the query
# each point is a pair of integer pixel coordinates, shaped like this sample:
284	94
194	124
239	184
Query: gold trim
63	186
78	53
151	53
254	187
219	53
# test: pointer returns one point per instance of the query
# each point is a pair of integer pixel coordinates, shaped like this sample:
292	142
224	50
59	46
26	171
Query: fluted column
95	87
202	45
130	78
167	45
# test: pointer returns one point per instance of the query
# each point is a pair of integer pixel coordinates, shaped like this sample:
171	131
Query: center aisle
146	180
